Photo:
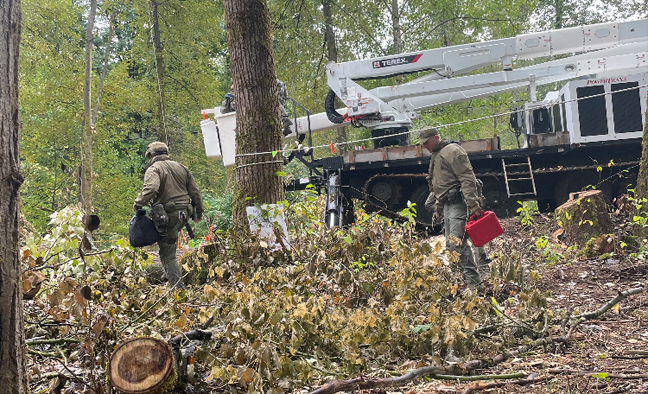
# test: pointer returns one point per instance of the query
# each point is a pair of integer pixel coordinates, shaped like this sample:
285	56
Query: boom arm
446	62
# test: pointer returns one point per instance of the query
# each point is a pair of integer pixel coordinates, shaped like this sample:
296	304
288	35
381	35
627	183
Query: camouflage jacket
166	180
450	170
227	105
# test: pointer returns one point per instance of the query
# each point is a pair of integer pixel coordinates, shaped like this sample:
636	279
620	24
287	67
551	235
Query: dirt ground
616	344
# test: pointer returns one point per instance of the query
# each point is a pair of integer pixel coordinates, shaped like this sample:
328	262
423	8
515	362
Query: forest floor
335	314
616	344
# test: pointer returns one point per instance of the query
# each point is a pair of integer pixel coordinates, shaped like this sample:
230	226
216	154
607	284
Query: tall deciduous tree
332	55
641	190
13	375
258	129
160	71
88	125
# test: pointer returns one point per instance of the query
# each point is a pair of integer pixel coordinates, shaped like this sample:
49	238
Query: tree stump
142	366
584	216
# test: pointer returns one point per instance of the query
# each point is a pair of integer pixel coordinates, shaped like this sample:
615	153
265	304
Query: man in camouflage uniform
169	187
453	192
227	106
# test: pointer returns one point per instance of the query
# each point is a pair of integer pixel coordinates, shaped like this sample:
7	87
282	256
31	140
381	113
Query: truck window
626	107
591	112
557	124
562	112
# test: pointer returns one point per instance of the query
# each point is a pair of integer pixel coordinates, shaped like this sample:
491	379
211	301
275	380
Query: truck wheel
497	200
419	196
387	192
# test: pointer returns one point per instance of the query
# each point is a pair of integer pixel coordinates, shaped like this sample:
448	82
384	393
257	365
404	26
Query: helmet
156	148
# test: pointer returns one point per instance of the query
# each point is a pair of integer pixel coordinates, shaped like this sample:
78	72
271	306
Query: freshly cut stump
584	216
142	366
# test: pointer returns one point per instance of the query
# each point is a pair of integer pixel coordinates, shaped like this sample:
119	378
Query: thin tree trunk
88	125
159	68
331	49
397	32
111	34
641	190
13	374
258	128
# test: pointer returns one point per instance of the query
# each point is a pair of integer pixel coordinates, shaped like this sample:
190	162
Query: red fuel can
484	229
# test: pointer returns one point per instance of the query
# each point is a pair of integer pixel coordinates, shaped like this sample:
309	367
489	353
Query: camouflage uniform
450	177
169	187
283	97
227	105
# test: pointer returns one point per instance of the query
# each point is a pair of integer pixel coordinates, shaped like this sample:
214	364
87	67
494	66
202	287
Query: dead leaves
31	283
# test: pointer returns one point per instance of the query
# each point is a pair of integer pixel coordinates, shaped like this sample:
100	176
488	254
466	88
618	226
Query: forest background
193	50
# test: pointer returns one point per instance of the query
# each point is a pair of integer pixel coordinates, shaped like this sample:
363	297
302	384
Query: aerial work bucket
484	229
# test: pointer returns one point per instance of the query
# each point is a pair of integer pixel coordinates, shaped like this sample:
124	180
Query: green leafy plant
524	213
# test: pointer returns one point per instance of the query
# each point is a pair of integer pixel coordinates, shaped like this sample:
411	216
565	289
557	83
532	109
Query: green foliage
525	212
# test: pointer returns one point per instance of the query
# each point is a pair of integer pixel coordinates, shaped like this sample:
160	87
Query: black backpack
142	231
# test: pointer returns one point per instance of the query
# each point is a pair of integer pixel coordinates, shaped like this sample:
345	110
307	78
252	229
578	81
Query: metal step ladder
522	178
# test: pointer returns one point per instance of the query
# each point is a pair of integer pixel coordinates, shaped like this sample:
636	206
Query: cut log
584	216
142	366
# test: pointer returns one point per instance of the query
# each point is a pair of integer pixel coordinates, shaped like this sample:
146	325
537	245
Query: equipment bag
142	231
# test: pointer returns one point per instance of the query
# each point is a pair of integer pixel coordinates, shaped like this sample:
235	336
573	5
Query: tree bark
13	374
88	126
258	128
641	190
159	69
111	34
397	33
331	50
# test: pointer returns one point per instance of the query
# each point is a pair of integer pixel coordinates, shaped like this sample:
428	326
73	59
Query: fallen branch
60	341
592	373
363	383
533	378
475	378
622	295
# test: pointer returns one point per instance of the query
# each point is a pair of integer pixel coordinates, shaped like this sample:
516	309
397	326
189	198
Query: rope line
447	125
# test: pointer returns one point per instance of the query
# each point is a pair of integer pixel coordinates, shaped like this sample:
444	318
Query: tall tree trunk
559	6
13	374
258	128
397	32
331	49
88	125
159	68
111	34
641	190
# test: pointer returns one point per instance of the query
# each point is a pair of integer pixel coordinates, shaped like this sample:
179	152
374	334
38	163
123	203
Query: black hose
331	113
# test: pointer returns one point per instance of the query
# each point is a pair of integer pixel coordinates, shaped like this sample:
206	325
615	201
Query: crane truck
587	133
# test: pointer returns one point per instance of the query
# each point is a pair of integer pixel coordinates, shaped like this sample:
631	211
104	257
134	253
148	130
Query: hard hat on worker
156	148
427	133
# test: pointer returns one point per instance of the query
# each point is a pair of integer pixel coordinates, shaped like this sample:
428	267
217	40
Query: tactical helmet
156	148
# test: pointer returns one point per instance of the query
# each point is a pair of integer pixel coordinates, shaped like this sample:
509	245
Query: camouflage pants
482	260
168	246
455	216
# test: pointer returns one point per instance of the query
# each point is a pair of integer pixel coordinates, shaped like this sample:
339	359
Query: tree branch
363	383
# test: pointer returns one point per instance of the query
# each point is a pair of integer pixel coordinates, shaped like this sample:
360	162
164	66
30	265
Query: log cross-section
142	366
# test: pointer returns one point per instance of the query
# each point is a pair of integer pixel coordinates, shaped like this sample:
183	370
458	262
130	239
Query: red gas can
483	229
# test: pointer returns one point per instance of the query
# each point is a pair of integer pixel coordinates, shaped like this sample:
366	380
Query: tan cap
156	148
426	133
